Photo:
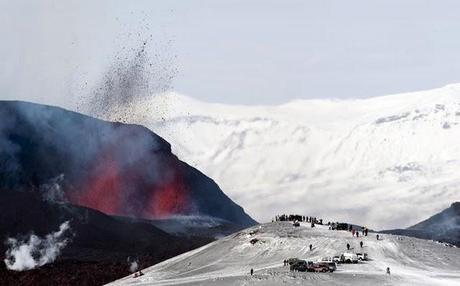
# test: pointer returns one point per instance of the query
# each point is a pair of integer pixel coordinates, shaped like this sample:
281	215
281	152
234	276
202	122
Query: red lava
105	189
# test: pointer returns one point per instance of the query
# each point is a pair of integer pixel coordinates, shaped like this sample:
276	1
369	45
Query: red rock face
170	198
102	190
138	188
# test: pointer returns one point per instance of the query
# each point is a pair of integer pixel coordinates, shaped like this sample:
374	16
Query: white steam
35	251
133	264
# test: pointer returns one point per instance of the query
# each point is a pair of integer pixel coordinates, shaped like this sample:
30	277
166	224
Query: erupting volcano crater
115	168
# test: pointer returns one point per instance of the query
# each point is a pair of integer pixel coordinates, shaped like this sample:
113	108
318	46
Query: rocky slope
97	248
444	226
117	169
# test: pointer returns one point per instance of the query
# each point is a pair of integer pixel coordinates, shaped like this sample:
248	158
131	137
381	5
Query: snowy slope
228	261
387	162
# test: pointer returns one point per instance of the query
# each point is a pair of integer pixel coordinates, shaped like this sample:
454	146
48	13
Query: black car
300	265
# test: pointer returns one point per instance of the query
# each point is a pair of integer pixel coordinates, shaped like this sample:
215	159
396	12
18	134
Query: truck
362	256
299	265
348	257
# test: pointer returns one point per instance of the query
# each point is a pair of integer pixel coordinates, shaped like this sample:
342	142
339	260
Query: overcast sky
246	52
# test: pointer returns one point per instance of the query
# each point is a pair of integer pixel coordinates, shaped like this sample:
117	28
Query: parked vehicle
336	259
300	265
317	267
330	265
348	258
326	259
296	224
291	261
362	256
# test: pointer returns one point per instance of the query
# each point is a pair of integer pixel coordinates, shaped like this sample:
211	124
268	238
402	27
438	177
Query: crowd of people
299	218
354	229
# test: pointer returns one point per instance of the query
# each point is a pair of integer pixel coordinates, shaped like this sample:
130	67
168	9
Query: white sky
249	52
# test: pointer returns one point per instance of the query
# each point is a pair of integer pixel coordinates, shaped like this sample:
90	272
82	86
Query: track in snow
229	260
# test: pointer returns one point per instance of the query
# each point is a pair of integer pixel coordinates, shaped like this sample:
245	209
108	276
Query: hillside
97	246
444	226
228	261
115	168
384	161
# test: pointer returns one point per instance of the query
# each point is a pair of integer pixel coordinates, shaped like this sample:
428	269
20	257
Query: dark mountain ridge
443	226
118	169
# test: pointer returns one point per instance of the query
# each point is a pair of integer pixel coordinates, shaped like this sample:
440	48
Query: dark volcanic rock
99	244
444	226
118	169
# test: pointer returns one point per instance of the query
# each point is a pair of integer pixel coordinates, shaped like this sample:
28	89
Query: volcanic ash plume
135	74
52	191
35	251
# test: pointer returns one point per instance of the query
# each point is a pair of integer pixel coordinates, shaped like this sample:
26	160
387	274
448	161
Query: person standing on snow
311	247
388	271
348	246
252	271
361	243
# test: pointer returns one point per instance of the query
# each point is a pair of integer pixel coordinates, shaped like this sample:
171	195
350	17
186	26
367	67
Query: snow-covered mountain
387	162
263	248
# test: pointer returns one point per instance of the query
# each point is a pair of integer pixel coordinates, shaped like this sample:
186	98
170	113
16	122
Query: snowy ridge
386	162
228	261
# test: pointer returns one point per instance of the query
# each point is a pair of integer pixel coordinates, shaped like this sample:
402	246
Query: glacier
385	162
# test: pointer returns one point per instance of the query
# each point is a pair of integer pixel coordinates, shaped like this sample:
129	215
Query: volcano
118	169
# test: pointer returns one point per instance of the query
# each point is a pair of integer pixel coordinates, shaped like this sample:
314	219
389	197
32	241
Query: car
317	267
296	224
300	265
362	256
336	259
348	258
330	265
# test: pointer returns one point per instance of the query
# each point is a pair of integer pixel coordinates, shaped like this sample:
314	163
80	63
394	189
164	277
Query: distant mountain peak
456	207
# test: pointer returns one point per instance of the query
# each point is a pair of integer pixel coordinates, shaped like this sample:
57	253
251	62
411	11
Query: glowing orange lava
126	191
